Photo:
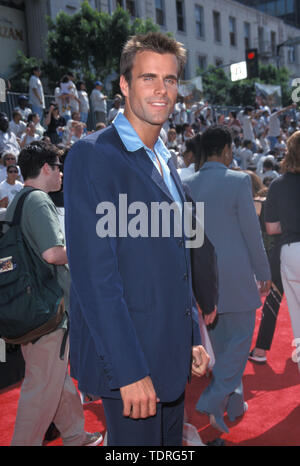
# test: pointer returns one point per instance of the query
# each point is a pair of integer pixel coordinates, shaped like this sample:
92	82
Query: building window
180	15
199	16
217	26
128	5
247	37
202	62
261	42
218	61
292	54
160	12
232	30
273	43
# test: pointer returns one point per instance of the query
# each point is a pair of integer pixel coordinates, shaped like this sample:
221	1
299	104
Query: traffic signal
252	63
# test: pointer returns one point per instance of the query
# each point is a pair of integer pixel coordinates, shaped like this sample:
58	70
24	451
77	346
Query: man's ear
46	168
124	86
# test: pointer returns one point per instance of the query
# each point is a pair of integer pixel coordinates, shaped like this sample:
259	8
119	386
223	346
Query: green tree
21	71
216	85
90	42
220	90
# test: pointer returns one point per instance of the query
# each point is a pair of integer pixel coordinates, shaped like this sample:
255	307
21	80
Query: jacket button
181	243
188	312
185	276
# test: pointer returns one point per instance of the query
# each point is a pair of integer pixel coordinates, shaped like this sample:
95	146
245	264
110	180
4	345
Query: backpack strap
18	210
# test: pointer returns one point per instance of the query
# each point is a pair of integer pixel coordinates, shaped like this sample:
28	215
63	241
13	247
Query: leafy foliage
89	43
218	88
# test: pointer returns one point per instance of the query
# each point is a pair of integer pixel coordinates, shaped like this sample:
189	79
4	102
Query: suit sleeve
204	269
93	261
249	224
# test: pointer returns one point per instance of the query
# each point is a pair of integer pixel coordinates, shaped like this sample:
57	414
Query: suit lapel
145	164
176	179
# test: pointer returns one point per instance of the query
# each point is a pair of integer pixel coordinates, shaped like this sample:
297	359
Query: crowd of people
259	133
243	164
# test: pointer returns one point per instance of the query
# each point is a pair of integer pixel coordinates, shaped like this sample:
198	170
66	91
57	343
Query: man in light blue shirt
134	326
160	155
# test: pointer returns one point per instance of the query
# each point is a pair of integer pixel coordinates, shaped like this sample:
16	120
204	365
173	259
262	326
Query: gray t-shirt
41	228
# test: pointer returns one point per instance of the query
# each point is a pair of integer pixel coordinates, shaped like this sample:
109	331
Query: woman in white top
84	105
11	186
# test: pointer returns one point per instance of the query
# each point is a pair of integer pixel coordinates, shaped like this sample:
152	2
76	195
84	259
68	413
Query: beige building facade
214	32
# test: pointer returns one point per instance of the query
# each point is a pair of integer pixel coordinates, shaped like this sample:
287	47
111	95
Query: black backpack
31	300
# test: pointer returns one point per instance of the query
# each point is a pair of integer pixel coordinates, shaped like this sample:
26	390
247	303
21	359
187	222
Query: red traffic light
251	55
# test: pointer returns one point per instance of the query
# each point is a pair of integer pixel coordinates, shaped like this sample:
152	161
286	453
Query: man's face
152	93
55	176
10	159
4	124
12	174
23	104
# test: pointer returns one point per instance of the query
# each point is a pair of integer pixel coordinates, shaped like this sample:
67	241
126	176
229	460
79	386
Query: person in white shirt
180	115
10	187
8	158
115	109
269	170
74	101
247	125
264	141
36	92
23	107
76	132
29	135
8	139
246	154
39	129
84	105
191	148
17	125
274	124
99	103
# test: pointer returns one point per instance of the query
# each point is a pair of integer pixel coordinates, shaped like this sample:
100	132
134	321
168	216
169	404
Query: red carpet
272	392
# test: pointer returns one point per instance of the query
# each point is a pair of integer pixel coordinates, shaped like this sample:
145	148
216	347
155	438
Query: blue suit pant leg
231	340
163	429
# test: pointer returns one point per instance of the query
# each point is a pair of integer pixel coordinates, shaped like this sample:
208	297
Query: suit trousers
290	272
48	395
231	338
163	429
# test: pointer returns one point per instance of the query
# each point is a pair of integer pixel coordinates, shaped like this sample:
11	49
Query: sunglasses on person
10	158
57	164
12	171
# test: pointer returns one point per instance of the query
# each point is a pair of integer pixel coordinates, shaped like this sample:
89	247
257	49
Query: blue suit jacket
231	224
133	311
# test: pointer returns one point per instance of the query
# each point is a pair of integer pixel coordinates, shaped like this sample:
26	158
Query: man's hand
4	202
208	319
264	287
200	361
139	399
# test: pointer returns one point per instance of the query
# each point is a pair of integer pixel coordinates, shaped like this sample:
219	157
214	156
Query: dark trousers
272	302
163	429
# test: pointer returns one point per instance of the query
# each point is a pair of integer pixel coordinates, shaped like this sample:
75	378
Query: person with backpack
47	393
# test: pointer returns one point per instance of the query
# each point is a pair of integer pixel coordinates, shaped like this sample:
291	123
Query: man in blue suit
232	226
133	326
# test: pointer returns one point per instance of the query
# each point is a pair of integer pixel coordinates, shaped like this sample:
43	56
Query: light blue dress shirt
132	142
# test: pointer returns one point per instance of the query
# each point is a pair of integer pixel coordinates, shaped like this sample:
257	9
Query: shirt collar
132	141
